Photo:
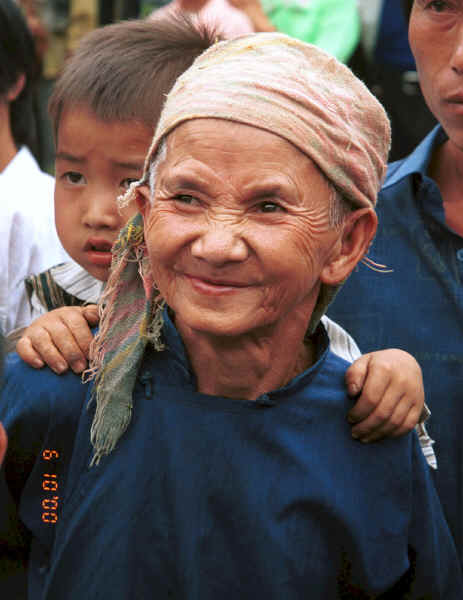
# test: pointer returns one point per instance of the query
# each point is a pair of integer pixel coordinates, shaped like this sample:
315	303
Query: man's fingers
26	351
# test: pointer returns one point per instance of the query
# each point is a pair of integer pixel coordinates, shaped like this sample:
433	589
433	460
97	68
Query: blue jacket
207	497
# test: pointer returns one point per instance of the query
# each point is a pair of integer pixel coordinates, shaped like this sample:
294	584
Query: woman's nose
220	243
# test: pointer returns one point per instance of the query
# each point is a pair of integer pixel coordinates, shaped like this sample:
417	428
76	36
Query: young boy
104	109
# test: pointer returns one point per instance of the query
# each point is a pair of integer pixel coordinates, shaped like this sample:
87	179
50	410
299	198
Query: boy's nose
102	212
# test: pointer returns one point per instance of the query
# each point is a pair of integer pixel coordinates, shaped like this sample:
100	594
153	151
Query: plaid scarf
129	320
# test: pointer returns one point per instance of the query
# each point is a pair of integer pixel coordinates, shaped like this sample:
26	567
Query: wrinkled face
436	39
95	163
238	232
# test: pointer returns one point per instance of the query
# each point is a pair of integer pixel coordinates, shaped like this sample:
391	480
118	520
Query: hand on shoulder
60	338
389	386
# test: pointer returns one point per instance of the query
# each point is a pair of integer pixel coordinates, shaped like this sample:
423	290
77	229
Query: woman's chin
217	324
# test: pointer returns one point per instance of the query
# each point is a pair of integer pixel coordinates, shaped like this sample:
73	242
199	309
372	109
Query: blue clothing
418	307
392	47
208	497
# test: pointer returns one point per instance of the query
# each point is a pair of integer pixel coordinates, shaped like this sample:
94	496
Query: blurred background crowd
369	35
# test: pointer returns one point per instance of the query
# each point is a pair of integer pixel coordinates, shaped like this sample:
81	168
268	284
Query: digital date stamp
50	485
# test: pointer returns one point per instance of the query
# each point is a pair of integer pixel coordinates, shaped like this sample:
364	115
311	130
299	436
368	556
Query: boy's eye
125	183
74	178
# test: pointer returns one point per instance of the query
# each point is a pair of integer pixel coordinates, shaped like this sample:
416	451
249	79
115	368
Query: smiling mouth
214	286
218	282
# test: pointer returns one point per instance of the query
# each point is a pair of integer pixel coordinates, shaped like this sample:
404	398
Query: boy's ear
143	199
16	88
358	231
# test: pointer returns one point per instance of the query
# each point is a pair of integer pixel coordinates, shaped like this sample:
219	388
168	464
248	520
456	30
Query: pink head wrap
297	91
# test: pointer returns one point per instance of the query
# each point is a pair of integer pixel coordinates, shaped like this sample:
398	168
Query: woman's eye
185	199
125	183
270	207
74	178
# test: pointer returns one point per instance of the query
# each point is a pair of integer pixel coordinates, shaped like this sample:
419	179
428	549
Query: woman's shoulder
38	394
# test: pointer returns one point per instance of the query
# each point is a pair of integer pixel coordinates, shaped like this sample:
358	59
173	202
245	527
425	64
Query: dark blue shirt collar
418	161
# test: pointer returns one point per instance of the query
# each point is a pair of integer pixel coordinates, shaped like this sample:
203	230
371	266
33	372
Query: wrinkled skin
238	235
239	241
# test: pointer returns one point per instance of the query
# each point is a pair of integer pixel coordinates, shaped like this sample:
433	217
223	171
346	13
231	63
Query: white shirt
74	280
28	239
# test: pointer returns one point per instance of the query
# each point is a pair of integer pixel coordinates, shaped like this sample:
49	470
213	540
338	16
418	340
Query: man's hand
389	384
60	338
3	443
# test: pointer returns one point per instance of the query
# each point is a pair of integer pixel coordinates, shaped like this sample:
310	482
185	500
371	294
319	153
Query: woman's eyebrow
184	180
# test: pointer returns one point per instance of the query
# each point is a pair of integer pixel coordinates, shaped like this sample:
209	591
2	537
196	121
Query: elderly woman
221	463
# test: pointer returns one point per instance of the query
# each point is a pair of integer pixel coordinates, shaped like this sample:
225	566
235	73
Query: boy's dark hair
407	6
122	72
18	56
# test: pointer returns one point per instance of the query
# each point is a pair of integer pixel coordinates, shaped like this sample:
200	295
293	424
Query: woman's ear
143	199
16	88
358	231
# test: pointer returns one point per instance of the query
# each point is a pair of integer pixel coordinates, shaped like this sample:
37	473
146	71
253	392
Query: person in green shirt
333	25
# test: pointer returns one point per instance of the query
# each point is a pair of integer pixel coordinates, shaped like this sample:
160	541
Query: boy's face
95	163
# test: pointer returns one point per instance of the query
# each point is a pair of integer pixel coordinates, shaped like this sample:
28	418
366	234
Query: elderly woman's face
238	234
